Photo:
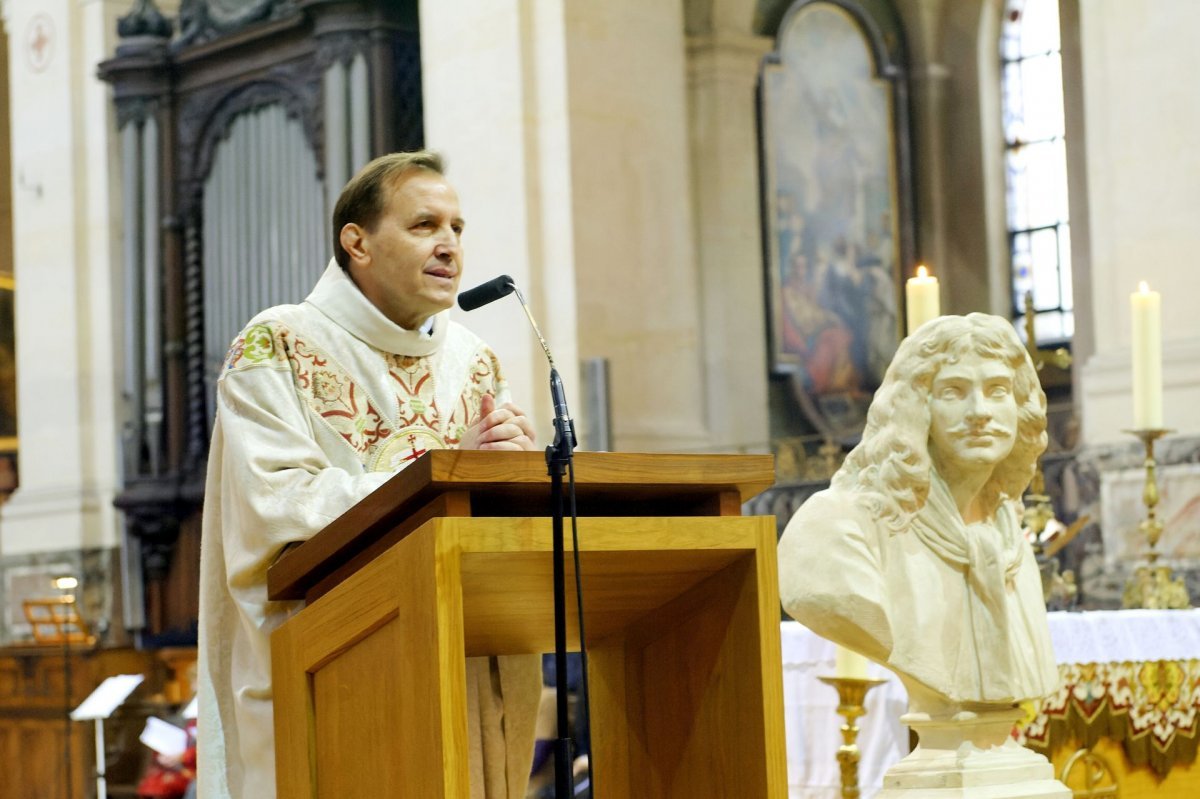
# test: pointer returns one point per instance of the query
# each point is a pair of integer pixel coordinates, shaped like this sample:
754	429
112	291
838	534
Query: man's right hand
506	427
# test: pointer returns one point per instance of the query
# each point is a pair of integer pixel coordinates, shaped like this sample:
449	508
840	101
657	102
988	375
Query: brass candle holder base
1153	585
852	695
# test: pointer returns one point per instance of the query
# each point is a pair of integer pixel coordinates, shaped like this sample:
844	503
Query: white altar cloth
1115	636
810	707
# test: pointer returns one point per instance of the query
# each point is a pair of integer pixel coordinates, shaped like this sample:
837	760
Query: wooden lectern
451	558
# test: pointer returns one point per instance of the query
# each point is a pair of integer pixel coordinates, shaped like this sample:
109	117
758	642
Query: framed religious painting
837	208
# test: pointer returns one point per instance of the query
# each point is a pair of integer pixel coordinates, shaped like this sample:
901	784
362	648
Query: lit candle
921	299
1147	358
849	664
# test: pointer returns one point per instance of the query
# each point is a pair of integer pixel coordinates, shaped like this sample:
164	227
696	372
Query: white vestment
318	404
952	608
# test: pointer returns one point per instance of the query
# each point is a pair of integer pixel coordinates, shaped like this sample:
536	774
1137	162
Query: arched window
1036	168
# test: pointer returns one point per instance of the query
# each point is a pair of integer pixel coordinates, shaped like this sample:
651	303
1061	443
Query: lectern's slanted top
517	484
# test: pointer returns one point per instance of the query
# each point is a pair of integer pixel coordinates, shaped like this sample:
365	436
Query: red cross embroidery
39	38
416	453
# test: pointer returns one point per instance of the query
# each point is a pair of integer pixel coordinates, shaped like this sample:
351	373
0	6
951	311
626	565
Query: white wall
65	239
639	303
1143	173
566	128
723	69
495	105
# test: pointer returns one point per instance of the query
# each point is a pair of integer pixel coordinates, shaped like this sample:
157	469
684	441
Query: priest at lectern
318	404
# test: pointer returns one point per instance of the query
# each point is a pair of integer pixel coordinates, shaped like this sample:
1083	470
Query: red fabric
164	783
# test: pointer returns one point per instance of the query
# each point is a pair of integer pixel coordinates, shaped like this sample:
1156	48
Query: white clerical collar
336	296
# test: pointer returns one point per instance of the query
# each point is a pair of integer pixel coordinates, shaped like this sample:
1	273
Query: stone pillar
638	285
495	99
566	129
958	151
1143	201
929	78
722	78
66	245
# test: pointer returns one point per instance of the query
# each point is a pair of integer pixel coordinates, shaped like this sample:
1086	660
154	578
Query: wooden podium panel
465	483
682	617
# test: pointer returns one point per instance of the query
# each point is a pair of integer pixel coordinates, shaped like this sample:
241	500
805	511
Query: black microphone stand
559	461
559	456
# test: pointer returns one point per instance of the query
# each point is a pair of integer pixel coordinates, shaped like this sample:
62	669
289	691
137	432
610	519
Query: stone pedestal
970	755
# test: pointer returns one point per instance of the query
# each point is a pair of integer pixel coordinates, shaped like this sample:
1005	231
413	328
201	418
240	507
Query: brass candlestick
1038	516
1060	357
1153	585
852	694
1039	510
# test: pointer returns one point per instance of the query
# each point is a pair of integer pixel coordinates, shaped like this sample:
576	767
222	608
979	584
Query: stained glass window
1036	168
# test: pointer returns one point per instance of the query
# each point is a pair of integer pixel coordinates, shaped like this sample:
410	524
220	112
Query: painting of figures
830	188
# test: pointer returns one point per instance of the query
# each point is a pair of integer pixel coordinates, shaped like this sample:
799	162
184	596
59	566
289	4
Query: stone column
723	72
66	248
566	129
958	151
635	246
495	99
1144	198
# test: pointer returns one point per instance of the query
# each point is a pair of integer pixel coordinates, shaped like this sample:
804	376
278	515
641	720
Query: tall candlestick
849	664
921	299
852	705
1147	358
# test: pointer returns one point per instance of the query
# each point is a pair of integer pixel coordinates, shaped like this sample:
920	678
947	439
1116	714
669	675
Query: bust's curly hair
890	467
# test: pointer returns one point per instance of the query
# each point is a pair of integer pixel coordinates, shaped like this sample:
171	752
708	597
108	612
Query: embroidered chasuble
318	404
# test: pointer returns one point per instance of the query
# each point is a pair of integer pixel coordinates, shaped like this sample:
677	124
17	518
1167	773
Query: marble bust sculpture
914	556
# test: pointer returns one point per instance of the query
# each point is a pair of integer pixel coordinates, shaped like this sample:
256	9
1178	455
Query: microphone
487	292
494	289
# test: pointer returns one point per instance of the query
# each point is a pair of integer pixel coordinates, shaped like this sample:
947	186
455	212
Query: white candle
1146	308
849	664
921	299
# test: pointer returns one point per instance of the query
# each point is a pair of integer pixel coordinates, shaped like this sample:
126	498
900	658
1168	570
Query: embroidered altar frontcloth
1130	675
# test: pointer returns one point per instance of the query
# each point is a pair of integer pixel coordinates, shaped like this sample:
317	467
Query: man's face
974	415
410	264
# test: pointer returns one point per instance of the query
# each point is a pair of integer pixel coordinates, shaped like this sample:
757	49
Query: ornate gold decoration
852	694
831	457
1151	708
793	462
1039	510
1152	584
1099	781
1060	357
